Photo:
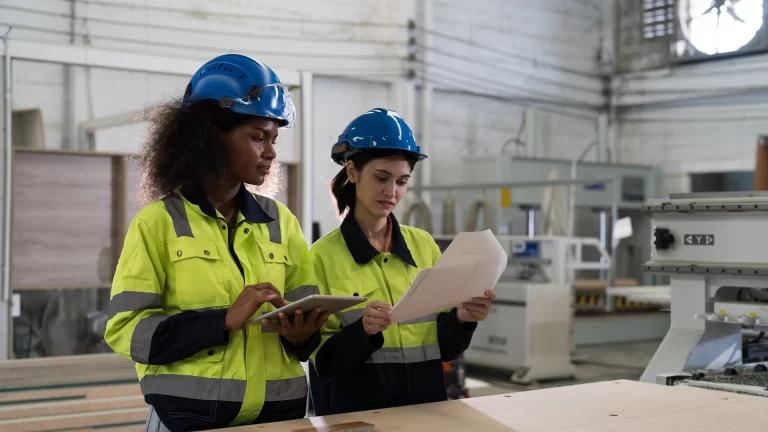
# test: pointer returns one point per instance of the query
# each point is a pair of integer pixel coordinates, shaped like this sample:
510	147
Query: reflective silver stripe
350	316
405	355
130	301
141	340
286	389
175	206
194	387
423	319
301	292
270	207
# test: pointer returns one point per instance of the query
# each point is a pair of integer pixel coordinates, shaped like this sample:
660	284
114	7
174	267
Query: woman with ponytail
364	361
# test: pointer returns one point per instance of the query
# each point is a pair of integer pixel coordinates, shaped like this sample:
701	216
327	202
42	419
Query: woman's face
251	149
380	185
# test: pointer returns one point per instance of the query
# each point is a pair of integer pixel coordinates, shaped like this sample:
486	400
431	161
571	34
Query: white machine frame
717	248
528	330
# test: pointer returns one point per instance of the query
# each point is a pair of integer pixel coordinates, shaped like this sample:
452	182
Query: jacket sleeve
452	336
138	328
342	348
300	282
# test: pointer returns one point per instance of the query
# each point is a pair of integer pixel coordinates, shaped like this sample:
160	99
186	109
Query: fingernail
298	312
265	321
282	315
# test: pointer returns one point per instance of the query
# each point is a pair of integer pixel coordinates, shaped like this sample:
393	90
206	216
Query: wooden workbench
616	406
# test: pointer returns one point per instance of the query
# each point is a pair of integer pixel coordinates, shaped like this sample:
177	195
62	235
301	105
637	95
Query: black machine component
455	379
663	238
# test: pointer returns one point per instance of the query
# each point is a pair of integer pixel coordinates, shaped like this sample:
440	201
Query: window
658	18
720	26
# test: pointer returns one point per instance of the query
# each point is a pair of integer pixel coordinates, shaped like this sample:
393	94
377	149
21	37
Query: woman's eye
257	139
402	182
381	179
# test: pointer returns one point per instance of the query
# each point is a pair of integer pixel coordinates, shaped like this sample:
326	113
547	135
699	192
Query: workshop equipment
528	330
712	245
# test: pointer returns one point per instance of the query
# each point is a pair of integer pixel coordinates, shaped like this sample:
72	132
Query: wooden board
68	393
132	418
611	406
62	233
65	371
599	285
8	398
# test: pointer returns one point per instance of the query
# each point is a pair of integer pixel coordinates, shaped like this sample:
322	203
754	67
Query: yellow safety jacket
353	371
181	268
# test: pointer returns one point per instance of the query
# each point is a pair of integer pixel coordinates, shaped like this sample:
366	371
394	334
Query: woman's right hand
249	301
376	317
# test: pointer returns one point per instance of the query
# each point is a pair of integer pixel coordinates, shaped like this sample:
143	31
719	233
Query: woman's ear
351	172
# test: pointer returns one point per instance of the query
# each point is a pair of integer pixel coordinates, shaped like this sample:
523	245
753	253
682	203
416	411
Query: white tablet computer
328	303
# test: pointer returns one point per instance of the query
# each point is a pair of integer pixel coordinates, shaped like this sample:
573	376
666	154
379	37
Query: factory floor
593	363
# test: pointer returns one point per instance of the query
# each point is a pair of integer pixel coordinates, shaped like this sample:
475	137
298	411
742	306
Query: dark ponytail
343	192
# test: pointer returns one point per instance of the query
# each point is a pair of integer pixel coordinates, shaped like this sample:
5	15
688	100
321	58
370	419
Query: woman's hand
376	317
476	309
301	329
249	301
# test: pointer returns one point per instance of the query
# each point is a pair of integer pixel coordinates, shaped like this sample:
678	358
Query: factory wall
515	63
487	62
694	118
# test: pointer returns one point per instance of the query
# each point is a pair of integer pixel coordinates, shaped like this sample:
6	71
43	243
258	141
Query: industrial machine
713	248
528	197
528	330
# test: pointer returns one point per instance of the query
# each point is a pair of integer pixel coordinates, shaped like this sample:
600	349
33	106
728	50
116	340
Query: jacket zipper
231	243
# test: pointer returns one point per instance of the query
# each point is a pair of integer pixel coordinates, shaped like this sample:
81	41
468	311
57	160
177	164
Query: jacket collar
362	250
250	208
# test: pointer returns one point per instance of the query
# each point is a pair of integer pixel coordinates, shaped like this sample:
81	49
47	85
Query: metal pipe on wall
425	177
5	303
307	156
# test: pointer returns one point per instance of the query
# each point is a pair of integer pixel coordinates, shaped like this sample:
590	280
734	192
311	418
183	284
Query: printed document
471	265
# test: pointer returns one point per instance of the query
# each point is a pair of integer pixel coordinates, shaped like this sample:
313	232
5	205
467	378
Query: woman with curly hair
205	257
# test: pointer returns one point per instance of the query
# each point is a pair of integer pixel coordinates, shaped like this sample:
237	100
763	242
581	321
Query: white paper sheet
472	264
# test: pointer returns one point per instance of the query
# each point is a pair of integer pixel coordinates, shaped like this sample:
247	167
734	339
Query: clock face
720	26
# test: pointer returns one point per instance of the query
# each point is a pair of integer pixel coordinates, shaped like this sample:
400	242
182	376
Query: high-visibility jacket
353	371
181	268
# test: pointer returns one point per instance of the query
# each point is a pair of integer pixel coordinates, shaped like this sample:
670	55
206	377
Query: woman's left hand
302	328
476	309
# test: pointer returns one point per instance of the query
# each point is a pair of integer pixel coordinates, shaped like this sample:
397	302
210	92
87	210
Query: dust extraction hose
426	216
449	215
489	218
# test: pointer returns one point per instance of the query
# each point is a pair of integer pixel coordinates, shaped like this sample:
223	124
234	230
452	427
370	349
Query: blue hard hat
378	128
244	86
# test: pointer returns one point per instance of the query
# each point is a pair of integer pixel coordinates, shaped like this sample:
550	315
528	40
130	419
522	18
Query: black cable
199	48
171	27
303	20
693	119
476	61
508	54
460	79
515	100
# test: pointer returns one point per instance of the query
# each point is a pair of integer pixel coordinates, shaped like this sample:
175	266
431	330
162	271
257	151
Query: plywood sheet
68	370
61	219
9	398
625	406
66	422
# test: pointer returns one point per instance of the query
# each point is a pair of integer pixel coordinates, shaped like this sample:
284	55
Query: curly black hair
182	148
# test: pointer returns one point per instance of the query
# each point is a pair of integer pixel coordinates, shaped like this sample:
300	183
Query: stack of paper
471	265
